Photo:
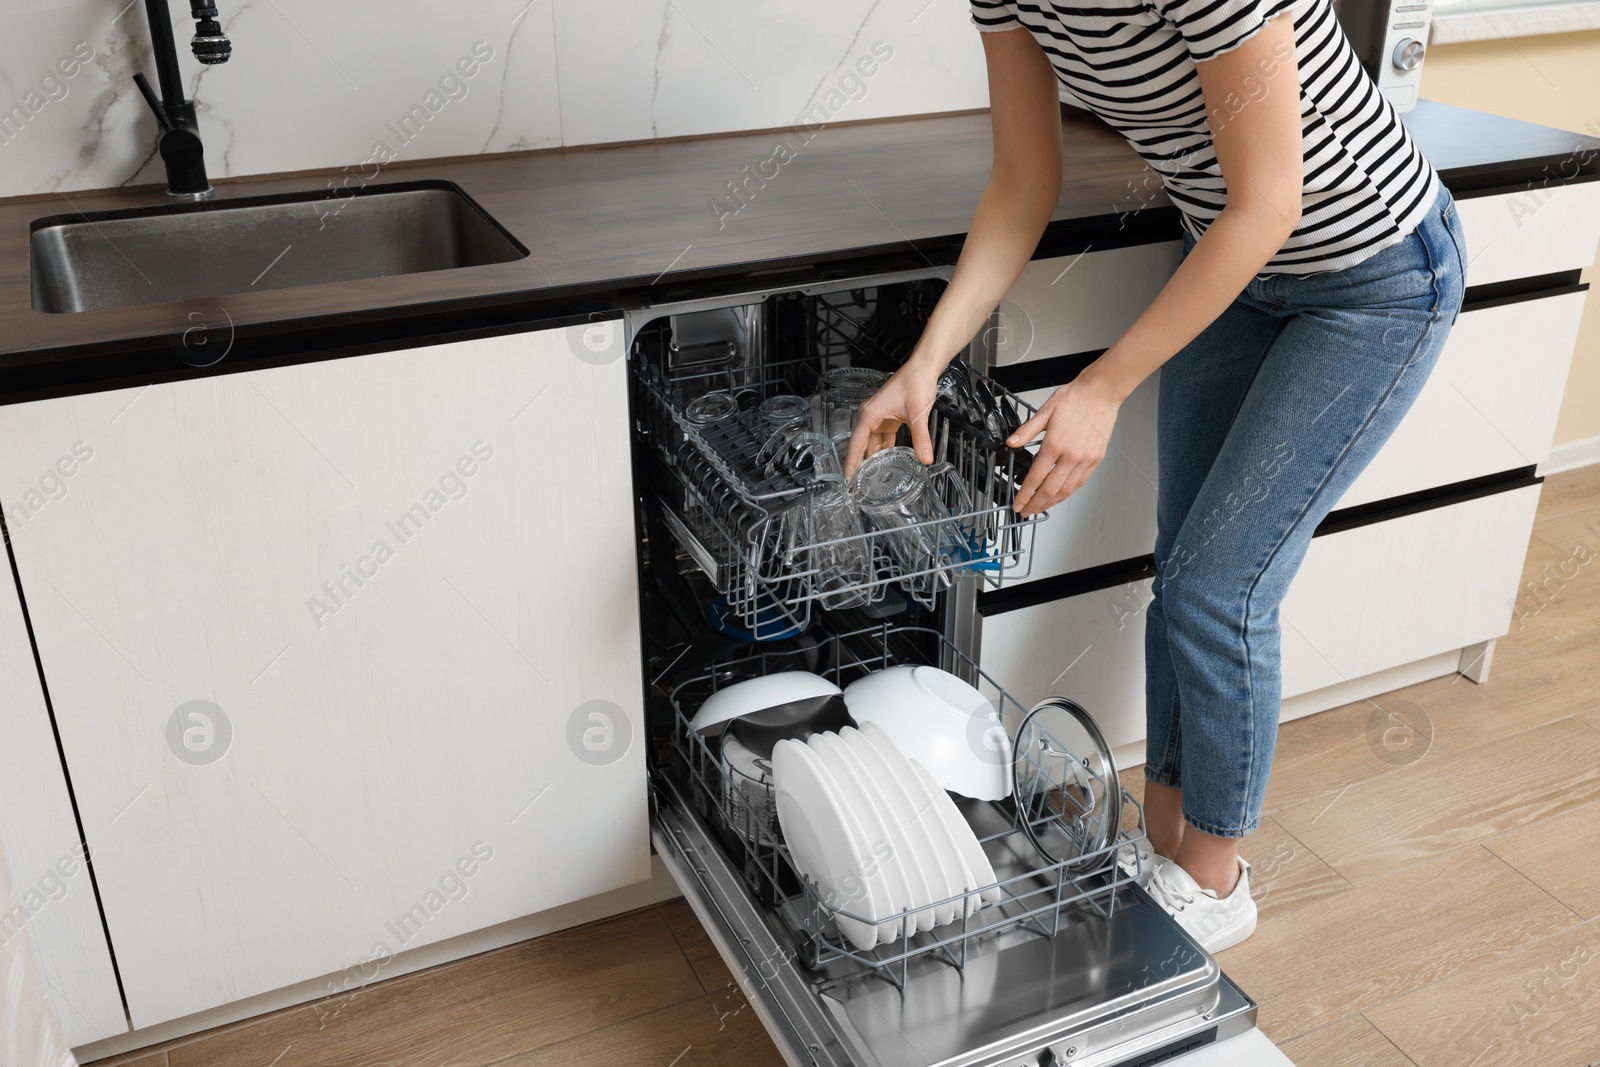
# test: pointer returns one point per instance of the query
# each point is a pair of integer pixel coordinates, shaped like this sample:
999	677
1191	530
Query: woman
1322	270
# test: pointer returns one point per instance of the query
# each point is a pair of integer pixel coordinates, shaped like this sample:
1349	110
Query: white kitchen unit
1366	600
1113	517
1490	404
53	900
1531	231
1068	304
1415	571
343	655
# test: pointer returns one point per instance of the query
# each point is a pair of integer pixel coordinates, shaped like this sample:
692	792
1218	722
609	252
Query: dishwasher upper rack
1035	898
748	530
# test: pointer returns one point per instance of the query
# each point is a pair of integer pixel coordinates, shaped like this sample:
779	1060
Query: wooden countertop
600	219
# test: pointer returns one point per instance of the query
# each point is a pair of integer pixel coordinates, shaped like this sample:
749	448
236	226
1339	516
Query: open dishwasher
1071	963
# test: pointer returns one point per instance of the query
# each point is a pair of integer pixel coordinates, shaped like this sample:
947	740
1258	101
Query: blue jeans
1265	419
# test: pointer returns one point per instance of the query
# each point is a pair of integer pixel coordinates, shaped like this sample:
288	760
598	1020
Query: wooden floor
1428	873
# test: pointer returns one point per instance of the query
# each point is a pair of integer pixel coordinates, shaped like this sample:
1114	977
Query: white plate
919	843
824	840
924	802
878	788
972	853
889	873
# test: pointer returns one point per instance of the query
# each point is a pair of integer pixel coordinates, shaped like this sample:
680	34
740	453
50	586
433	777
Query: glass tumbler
833	547
904	500
844	390
711	408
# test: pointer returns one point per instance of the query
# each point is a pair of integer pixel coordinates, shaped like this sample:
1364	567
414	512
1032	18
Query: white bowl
758	694
941	722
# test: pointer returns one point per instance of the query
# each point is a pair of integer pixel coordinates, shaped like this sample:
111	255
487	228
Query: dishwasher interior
748	569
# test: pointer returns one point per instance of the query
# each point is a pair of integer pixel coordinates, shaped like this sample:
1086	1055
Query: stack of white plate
879	837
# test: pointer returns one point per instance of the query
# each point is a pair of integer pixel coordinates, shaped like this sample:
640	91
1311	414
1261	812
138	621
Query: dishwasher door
1126	990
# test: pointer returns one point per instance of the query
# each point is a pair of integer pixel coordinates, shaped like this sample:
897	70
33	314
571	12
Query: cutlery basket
1037	896
751	528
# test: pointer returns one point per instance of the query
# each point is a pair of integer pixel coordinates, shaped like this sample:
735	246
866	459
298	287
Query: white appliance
1390	38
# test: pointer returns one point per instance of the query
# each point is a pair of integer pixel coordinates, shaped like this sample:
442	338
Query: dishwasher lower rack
752	530
1036	894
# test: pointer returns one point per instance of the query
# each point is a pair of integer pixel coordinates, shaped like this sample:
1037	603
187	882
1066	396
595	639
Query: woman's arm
1260	152
1024	186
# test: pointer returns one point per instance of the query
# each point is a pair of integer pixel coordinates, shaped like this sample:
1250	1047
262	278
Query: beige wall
1553	80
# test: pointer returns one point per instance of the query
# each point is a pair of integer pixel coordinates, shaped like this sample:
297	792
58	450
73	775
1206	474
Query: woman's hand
1076	422
904	400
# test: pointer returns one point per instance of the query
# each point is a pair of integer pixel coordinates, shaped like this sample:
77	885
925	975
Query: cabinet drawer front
1531	232
1089	647
1392	592
1490	404
1366	599
1072	304
1113	516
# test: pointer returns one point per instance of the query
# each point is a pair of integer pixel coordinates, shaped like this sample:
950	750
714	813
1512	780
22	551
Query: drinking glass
906	501
844	390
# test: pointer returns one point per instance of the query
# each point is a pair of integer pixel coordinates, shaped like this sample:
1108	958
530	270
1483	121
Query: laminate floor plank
697	947
1569	491
474	1011
1350	1042
1285	874
1532	775
133	1059
1558	595
1539	1005
1321	755
1558	855
1528	686
1373	942
1371	829
710	1031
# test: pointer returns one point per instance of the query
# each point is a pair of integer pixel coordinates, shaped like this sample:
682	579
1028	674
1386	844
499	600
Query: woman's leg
1356	348
1202	388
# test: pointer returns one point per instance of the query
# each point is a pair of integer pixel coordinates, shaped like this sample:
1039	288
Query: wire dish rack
752	529
1036	895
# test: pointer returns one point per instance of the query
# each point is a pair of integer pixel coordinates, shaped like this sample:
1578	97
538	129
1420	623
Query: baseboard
655	889
1572	455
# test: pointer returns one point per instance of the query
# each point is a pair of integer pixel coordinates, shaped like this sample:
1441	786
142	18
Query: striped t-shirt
1132	62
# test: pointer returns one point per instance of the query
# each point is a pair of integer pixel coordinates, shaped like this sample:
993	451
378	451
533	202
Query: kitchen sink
89	262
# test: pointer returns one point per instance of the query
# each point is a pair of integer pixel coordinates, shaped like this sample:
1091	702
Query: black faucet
180	145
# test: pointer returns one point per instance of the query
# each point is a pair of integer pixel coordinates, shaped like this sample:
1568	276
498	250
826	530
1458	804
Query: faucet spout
179	144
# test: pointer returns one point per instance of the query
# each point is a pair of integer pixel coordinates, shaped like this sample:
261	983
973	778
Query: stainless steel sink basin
122	258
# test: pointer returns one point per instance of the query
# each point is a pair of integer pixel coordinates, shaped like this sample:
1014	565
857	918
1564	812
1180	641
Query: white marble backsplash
315	83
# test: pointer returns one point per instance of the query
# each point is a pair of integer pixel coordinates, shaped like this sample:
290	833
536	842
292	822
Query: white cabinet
1113	516
52	901
1089	647
1073	304
408	582
1490	404
1365	599
1530	232
1397	591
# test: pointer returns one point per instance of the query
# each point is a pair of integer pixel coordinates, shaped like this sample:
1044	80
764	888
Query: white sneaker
1215	923
1145	864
